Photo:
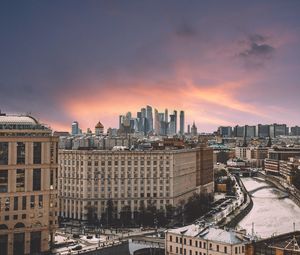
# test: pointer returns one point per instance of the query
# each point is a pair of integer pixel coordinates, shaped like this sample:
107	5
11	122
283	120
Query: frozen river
270	214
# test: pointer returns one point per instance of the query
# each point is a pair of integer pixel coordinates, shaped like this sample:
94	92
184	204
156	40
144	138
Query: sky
222	62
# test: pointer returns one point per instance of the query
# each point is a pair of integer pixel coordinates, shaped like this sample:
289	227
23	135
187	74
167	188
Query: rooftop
211	234
20	122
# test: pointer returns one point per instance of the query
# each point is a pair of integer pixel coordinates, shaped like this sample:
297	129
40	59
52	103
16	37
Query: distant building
75	128
263	131
295	131
225	131
275	155
99	129
239	131
131	179
194	130
283	244
278	129
181	131
197	240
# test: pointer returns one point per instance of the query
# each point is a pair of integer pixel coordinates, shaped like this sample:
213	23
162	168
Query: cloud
257	51
185	30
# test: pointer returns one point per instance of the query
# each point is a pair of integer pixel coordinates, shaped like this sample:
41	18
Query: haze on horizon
224	63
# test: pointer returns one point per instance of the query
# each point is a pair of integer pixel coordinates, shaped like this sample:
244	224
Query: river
270	214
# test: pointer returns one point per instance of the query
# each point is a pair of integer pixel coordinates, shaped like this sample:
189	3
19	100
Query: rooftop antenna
252	229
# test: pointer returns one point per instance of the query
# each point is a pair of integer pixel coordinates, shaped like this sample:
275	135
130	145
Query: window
40	201
3	153
20	153
225	249
236	250
7	204
37	153
32	198
3	181
24	203
16	200
20	180
170	238
36	179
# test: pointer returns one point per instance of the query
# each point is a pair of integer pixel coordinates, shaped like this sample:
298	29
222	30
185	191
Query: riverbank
271	214
239	213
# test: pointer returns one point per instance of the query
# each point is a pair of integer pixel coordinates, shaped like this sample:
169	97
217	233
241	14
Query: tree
125	215
91	214
197	206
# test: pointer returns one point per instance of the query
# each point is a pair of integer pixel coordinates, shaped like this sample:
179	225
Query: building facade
198	240
131	178
28	190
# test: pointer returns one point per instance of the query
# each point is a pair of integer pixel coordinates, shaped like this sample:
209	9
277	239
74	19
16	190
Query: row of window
20	203
21	153
20	180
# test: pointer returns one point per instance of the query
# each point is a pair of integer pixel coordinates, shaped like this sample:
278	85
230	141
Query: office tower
75	128
162	124
225	131
149	117
250	131
166	116
239	131
175	114
295	131
263	130
189	129
28	186
172	125
129	184
194	130
156	122
120	121
278	129
181	122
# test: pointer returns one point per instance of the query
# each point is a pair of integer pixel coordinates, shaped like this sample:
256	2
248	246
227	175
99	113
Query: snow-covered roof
211	234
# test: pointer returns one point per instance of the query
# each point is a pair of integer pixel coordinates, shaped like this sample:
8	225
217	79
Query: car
77	248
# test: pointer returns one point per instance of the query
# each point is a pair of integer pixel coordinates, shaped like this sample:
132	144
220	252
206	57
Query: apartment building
200	240
276	154
130	178
28	194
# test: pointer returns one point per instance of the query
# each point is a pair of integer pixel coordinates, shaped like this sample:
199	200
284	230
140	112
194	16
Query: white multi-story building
200	240
91	177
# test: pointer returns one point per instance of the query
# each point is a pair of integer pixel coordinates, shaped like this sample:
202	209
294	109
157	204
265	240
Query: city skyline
220	63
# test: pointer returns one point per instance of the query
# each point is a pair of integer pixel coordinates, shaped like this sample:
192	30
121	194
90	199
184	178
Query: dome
18	120
99	125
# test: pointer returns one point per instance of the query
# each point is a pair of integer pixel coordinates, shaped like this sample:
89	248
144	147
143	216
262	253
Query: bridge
251	192
283	195
150	241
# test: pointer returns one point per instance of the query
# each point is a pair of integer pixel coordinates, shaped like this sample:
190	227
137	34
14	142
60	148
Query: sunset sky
223	62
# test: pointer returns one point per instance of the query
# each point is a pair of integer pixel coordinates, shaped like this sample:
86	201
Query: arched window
3	226
19	225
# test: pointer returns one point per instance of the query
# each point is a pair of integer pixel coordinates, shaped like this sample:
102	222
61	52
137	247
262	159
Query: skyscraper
181	122
156	122
149	116
166	116
75	128
175	114
172	125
